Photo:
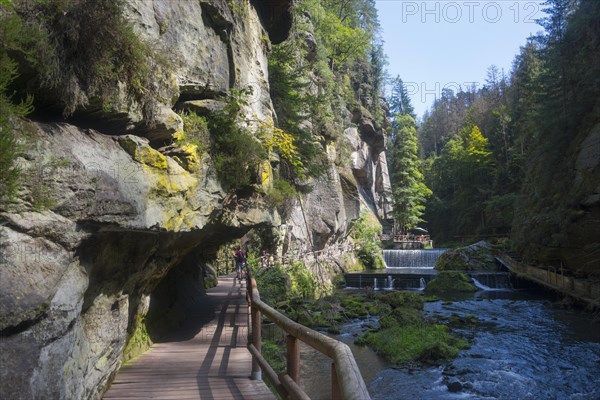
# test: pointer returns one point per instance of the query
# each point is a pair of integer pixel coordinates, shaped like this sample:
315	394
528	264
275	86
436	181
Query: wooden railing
346	380
584	290
405	238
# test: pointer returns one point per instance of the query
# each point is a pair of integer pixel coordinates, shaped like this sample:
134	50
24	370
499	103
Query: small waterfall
374	283
492	281
390	282
411	258
422	283
479	285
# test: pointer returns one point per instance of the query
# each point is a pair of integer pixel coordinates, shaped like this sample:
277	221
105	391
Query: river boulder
450	281
476	257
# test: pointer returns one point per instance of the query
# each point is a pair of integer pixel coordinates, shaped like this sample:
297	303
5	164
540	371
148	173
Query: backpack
239	257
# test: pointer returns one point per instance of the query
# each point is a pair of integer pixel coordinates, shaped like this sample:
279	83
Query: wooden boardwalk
199	362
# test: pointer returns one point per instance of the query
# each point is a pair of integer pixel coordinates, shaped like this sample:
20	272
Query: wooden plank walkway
199	362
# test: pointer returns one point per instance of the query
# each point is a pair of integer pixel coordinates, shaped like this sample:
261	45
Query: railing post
335	384
256	328
293	358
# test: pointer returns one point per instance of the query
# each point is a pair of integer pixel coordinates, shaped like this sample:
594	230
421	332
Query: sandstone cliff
108	225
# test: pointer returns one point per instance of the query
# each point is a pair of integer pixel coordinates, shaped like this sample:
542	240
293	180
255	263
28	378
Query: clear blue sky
437	44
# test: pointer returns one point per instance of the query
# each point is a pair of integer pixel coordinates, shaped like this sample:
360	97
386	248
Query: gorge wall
109	210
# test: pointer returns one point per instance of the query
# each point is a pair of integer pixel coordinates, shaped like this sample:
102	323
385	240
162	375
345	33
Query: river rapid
524	346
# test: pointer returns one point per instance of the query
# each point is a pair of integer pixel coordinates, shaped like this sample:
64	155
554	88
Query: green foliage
195	132
460	177
365	231
273	284
282	195
80	51
303	282
344	44
331	63
280	283
517	176
276	139
236	152
274	353
236	156
476	257
409	193
194	141
239	8
399	100
294	103
9	144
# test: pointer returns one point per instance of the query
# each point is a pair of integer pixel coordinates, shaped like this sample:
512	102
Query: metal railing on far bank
346	380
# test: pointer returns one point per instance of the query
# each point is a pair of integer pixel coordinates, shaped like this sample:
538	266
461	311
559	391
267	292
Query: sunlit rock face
75	277
103	215
112	224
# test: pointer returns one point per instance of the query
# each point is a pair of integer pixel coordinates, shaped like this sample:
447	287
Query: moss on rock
138	342
402	299
476	257
451	281
210	277
406	344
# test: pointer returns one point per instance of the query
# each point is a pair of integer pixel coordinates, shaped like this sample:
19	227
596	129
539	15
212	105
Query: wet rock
454	385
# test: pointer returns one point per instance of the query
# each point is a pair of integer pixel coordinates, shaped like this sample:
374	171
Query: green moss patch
450	281
402	299
137	343
421	343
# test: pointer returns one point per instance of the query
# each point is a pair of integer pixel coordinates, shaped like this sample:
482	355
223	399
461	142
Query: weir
411	258
405	269
492	280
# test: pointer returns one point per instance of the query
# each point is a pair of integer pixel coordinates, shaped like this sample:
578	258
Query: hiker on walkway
240	260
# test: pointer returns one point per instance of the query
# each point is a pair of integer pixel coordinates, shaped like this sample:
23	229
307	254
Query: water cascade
390	282
411	258
405	270
492	281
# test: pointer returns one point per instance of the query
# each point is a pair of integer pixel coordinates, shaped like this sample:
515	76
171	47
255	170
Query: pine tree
409	191
399	100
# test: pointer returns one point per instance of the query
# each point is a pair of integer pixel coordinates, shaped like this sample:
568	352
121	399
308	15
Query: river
523	347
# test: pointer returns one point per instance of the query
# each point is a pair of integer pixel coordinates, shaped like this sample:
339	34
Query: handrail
347	382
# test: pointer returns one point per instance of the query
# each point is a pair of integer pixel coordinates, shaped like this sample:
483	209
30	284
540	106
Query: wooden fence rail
584	290
346	381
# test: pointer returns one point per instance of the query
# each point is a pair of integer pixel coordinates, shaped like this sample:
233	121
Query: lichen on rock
140	151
